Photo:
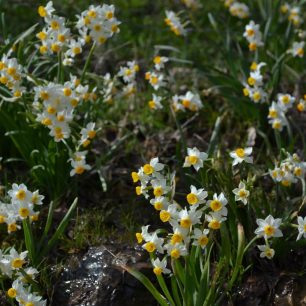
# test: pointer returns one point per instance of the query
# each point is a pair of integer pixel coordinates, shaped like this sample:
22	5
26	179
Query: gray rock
96	279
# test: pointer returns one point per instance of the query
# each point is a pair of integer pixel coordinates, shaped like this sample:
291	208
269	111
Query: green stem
88	61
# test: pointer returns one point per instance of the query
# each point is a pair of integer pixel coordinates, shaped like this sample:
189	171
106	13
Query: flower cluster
253	36
22	205
128	73
97	24
289	170
268	228
277	111
237	9
190	224
174	22
156	77
190	101
11	74
254	86
297	49
193	4
11	264
293	13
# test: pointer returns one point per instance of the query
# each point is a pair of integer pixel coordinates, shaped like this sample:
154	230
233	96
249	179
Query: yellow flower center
192	159
186	103
192	199
215	205
176	238
17	263
54	25
242	193
158	191
252	46
240	152
29	304
12	293
154	80
164	216
157	271
158	205
79	169
24	212
214	224
43	49
276	125
2	219
175	253
286	183
139	237
135	177
61	38
300	107
109	15
185	222
246	92
251	81
12	227
272	113
151	104
91	134
157	60
269	230
250	32
253	66
300	51
21	194
42	11
138	190
150	247
269	252
148	169
46	121
285	99
203	240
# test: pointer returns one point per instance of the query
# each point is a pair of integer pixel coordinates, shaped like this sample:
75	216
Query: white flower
160	266
159	62
266	251
20	194
190	217
297	49
301	228
285	101
160	187
214	220
241	194
155	102
268	227
200	237
153	167
240	155
176	250
196	196
218	203
195	158
160	203
153	243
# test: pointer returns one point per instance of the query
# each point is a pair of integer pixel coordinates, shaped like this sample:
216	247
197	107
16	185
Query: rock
96	279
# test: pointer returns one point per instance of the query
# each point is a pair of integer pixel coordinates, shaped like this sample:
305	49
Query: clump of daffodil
289	170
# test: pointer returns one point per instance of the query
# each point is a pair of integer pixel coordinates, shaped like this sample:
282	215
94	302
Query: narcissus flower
268	227
241	193
200	237
242	155
160	266
301	227
196	196
266	251
195	158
